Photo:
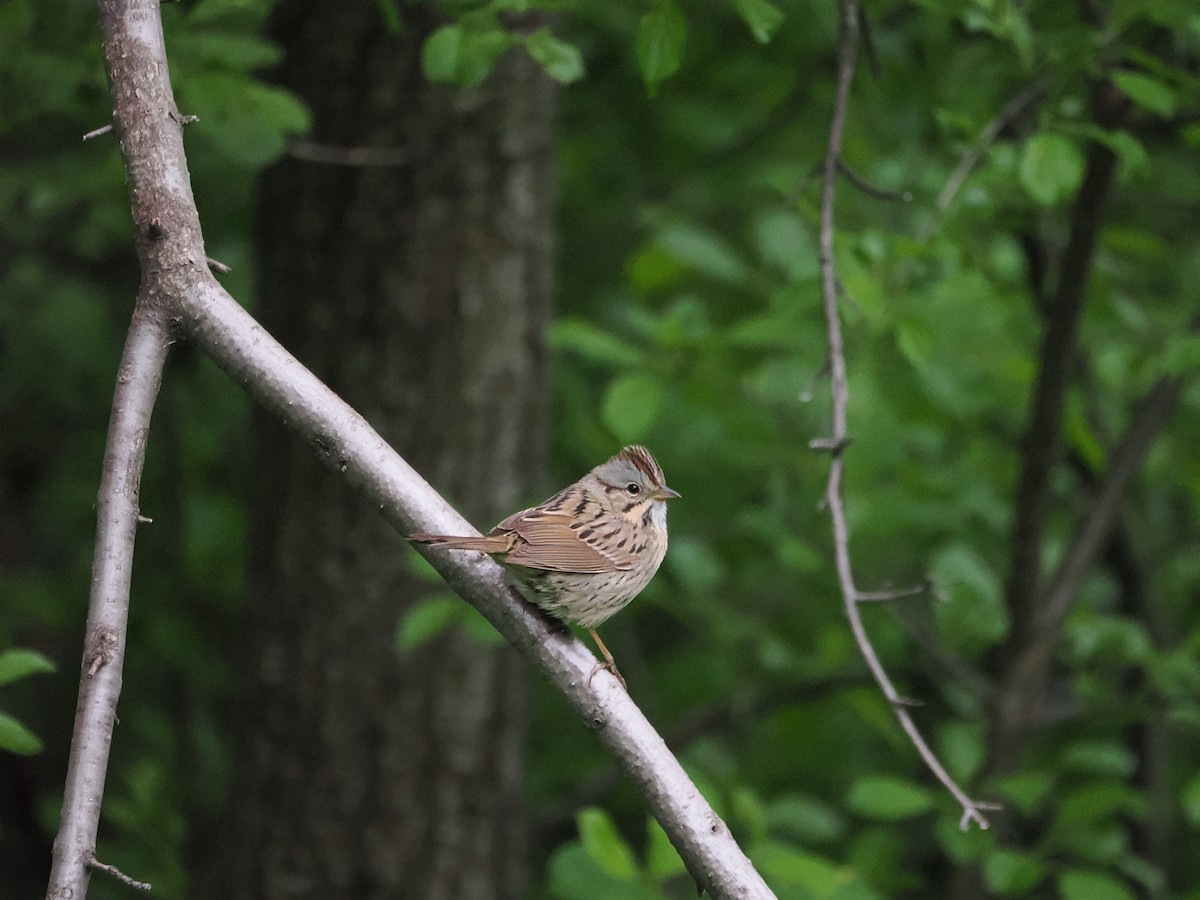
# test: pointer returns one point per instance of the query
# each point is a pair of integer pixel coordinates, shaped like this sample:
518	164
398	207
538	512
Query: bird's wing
547	541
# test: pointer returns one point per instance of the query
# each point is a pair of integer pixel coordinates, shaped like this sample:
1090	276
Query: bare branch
833	446
108	608
180	290
347	443
93	863
990	132
897	594
363	157
1152	415
1041	449
847	53
97	132
873	190
1028	670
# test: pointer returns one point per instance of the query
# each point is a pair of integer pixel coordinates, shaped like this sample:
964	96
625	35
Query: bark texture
418	291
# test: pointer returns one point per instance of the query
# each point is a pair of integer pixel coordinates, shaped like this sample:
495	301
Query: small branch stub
95	133
93	863
100	651
833	446
898	594
872	190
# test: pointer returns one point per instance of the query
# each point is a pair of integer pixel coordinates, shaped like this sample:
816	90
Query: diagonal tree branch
1041	446
1152	415
848	37
179	290
987	136
117	517
1029	670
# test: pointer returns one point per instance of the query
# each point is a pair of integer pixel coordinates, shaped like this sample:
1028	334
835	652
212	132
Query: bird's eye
634	488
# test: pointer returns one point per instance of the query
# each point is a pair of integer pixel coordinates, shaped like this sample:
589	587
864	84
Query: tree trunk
418	290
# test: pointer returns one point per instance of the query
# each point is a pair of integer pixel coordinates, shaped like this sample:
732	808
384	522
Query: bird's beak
665	493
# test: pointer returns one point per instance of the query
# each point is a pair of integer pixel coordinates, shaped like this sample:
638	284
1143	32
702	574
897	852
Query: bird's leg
609	663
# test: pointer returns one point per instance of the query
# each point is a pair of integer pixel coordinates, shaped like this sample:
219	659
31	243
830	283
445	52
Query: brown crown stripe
645	462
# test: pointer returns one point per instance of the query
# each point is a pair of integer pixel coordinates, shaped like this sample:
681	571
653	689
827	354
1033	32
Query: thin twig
358	157
872	190
93	863
990	132
1022	687
95	133
839	387
217	266
897	594
1152	415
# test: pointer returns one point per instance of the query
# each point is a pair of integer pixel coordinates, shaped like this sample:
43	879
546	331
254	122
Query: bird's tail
488	544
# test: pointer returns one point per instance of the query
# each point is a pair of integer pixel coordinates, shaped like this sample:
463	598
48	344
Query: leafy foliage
14	666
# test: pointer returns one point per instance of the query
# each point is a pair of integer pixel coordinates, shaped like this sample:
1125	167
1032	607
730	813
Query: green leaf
18	664
1099	802
455	54
604	844
437	614
660	38
439	56
16	738
961	747
1129	150
1116	640
1079	884
1147	92
1098	757
389	12
808	875
916	341
963	846
219	49
888	798
784	241
426	620
631	405
805	819
763	17
575	875
247	121
747	812
654	269
1181	355
562	61
704	251
662	859
1190	801
585	339
972	614
1051	167
1013	873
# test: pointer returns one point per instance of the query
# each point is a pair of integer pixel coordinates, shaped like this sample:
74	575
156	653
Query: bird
585	553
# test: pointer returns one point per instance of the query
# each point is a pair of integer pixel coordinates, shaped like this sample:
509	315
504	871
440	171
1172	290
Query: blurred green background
687	317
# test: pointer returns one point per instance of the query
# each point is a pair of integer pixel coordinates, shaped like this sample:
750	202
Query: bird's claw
611	667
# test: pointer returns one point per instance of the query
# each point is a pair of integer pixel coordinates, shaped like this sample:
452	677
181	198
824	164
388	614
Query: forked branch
179	291
852	598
